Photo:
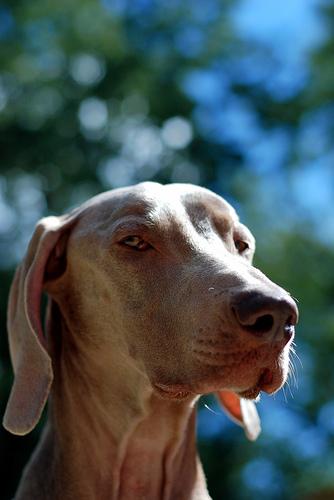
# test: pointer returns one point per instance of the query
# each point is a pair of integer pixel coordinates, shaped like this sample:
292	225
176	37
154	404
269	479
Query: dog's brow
130	222
203	213
148	215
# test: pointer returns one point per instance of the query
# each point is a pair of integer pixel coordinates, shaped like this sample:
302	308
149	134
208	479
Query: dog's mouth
268	379
265	383
246	372
177	391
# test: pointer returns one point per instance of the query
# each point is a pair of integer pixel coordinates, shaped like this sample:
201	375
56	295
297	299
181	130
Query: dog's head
169	268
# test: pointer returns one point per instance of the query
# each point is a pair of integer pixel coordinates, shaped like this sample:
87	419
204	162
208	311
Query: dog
152	302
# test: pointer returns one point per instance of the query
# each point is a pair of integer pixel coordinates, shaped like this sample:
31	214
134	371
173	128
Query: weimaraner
153	301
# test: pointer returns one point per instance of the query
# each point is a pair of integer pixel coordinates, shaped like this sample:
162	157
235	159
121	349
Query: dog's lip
180	392
251	393
171	391
265	383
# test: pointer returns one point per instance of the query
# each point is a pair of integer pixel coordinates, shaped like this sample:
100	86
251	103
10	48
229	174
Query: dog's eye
241	246
136	242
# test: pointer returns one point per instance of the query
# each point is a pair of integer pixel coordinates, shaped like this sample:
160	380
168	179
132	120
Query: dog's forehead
159	205
200	203
156	201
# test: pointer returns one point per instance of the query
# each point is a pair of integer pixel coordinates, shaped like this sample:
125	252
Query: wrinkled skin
151	290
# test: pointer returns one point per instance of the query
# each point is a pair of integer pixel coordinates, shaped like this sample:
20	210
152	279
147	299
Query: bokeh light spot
177	132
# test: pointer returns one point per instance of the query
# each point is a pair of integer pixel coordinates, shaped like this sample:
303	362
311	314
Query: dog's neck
114	438
153	456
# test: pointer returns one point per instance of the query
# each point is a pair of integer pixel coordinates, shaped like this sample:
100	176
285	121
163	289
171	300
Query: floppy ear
242	412
31	361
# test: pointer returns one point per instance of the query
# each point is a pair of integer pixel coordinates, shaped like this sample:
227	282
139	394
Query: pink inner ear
34	284
57	261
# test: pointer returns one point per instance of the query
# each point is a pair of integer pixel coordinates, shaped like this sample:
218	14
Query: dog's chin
172	391
253	393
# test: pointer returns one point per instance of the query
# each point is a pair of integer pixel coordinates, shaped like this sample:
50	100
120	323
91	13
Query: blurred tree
234	95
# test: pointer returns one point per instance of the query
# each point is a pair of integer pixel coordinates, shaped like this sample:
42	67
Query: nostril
262	325
265	315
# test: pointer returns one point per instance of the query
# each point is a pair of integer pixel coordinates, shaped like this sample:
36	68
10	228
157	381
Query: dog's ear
241	411
31	361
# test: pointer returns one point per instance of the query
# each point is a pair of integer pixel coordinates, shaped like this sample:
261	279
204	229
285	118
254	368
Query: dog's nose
270	316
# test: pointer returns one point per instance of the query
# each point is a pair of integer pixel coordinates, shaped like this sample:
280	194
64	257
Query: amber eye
136	242
241	246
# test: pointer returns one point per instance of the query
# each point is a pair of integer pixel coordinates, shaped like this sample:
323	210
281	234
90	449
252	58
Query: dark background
233	95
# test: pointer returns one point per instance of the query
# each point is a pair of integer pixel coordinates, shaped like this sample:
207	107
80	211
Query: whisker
289	387
210	409
293	373
283	390
294	353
